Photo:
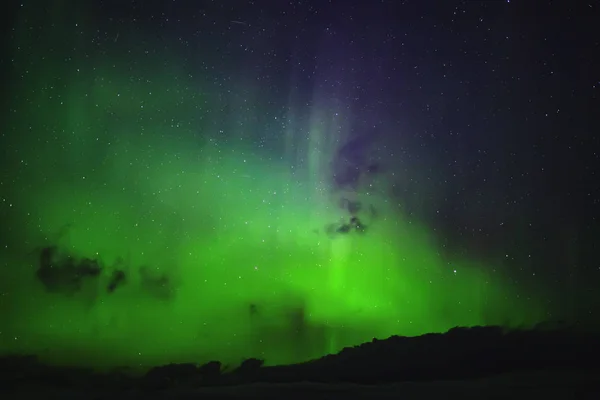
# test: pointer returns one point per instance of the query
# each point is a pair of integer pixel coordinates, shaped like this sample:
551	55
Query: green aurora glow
125	159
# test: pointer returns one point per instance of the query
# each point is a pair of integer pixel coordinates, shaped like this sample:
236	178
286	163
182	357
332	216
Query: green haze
133	161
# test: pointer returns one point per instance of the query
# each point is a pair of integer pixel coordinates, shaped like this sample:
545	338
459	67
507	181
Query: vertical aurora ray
223	242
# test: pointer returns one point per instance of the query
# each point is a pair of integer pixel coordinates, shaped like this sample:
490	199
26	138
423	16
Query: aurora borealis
226	190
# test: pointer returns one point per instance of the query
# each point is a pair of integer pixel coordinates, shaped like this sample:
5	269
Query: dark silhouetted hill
459	354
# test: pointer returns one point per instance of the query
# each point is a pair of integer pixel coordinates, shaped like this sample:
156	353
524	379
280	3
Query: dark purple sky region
481	116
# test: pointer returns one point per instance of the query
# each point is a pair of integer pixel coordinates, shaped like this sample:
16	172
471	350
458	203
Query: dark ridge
459	354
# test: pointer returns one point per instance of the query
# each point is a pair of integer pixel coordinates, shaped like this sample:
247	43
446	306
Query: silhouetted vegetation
461	353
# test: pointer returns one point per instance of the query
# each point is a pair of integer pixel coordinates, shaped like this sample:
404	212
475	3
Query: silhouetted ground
464	362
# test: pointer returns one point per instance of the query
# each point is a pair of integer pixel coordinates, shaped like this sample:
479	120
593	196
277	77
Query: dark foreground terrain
463	363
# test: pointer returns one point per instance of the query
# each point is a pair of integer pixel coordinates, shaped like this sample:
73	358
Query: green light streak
125	170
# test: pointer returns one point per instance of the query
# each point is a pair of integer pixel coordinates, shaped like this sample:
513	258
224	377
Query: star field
342	169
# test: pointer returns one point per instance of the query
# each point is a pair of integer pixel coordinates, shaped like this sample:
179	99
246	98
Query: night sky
309	172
